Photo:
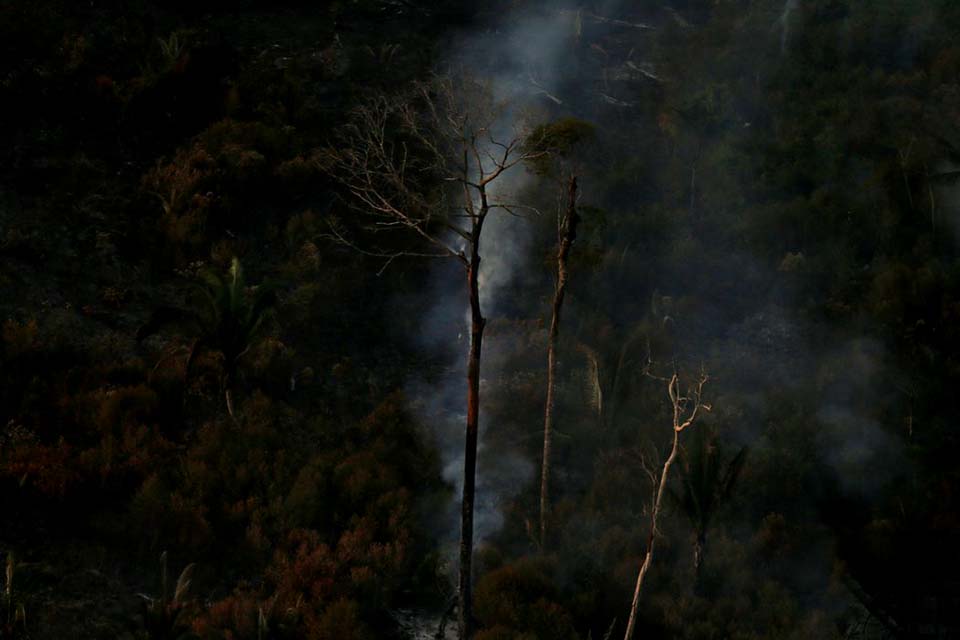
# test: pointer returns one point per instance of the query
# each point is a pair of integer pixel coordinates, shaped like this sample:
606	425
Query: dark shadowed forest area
479	319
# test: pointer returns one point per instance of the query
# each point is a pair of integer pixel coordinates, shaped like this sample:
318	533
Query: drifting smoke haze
518	56
744	328
228	354
784	22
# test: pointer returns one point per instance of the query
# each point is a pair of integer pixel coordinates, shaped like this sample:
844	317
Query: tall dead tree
567	222
554	146
686	409
431	162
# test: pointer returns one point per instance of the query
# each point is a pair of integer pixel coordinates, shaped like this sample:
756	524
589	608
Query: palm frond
183	583
707	481
609	633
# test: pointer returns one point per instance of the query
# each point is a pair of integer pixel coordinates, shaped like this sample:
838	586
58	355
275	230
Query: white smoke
519	58
864	455
784	21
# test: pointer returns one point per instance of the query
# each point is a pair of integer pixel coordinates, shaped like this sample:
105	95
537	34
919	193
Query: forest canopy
511	320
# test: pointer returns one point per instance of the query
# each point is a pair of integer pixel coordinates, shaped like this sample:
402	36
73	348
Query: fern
171	49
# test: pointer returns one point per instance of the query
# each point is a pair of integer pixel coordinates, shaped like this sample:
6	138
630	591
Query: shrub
521	598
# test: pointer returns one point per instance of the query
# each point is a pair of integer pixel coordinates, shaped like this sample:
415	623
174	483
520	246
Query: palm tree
707	481
225	318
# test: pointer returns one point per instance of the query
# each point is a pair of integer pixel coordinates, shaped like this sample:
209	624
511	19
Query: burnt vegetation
513	320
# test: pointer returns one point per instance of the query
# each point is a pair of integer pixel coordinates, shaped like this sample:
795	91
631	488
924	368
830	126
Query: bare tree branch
423	163
685	408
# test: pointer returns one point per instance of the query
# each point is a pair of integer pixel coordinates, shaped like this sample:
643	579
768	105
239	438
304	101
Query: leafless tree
557	141
567	221
686	408
431	162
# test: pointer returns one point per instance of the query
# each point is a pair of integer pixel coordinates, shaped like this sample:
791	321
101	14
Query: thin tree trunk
904	158
693	187
477	322
441	633
567	233
228	395
680	422
699	549
228	392
654	513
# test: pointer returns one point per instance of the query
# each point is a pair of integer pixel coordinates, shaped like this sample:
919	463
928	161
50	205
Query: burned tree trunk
477	322
699	549
441	133
567	233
